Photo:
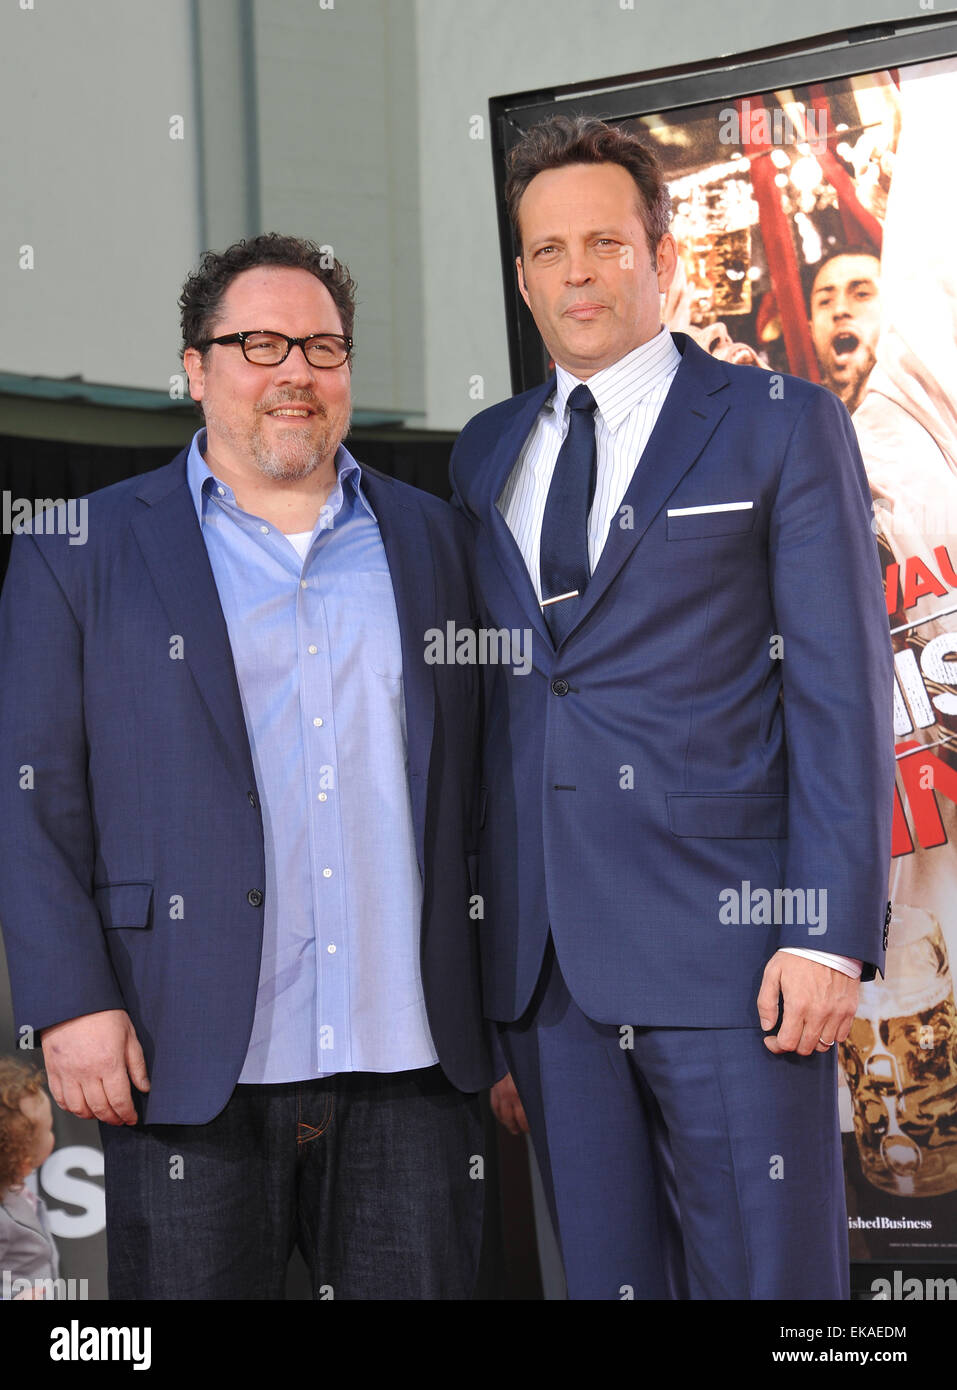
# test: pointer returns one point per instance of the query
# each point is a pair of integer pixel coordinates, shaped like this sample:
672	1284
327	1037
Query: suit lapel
168	534
494	478
408	550
688	418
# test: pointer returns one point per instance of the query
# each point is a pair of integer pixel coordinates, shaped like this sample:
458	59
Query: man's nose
295	369
579	270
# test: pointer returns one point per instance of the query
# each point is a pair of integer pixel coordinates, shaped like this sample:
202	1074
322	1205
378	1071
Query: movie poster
816	233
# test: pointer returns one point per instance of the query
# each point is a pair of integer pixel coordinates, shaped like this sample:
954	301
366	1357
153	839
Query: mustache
290	398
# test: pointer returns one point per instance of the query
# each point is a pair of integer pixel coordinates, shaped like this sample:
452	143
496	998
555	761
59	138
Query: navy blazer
126	778
718	722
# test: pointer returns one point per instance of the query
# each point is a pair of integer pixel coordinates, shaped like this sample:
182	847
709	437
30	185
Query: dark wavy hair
203	291
565	140
17	1080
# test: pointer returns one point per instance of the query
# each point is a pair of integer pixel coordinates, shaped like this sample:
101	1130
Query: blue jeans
374	1176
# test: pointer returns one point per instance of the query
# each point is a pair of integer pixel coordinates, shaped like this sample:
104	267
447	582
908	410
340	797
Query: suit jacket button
559	686
254	897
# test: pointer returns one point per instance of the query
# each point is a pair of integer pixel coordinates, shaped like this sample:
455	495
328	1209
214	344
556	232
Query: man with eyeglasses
244	866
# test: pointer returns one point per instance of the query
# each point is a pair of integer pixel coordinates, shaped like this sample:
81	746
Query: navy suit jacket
127	779
719	720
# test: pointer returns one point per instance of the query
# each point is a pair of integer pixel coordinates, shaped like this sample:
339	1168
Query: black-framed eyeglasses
265	348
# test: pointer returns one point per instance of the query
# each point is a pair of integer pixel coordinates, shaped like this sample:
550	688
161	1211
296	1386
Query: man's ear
666	261
520	272
193	364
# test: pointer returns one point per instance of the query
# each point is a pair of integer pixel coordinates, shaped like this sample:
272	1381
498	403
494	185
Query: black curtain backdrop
32	468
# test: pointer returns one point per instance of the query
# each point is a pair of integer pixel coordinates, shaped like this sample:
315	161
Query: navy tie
563	553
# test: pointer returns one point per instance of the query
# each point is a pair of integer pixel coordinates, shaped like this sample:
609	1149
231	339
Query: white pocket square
712	507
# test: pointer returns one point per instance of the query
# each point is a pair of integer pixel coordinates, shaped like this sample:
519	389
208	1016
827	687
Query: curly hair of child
17	1080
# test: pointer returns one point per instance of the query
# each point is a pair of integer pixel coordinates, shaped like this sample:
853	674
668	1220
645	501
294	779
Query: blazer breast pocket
690	524
124	904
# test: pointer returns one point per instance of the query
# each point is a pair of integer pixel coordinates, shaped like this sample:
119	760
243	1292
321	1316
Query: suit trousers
374	1176
681	1162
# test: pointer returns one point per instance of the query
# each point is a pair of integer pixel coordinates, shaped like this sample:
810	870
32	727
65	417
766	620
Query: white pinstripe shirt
629	395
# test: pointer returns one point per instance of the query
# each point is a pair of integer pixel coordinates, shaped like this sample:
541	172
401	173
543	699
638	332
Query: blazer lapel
168	534
493	479
408	550
688	418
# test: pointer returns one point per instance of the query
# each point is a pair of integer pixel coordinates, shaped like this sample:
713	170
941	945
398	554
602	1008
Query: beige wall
93	183
349	121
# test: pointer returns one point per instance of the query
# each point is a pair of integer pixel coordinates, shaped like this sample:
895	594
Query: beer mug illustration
900	1063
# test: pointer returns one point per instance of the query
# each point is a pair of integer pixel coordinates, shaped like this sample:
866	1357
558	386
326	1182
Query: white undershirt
300	539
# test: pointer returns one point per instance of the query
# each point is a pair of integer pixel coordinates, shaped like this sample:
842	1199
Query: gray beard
300	463
279	466
290	464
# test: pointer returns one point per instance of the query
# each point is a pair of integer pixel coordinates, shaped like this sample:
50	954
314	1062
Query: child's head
26	1122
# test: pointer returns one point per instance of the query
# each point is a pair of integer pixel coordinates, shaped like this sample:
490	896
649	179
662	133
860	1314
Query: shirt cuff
846	964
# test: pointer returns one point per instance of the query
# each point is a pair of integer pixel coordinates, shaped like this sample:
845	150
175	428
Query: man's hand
507	1107
90	1061
819	1004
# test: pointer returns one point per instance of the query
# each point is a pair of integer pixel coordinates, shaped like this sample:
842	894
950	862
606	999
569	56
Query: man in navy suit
243	809
687	799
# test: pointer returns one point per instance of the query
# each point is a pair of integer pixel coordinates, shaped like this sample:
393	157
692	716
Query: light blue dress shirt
315	640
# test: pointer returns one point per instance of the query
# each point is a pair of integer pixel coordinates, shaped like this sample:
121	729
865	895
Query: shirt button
304	583
265	530
254	897
331	950
559	686
318	722
313	650
221	491
322	796
327	873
